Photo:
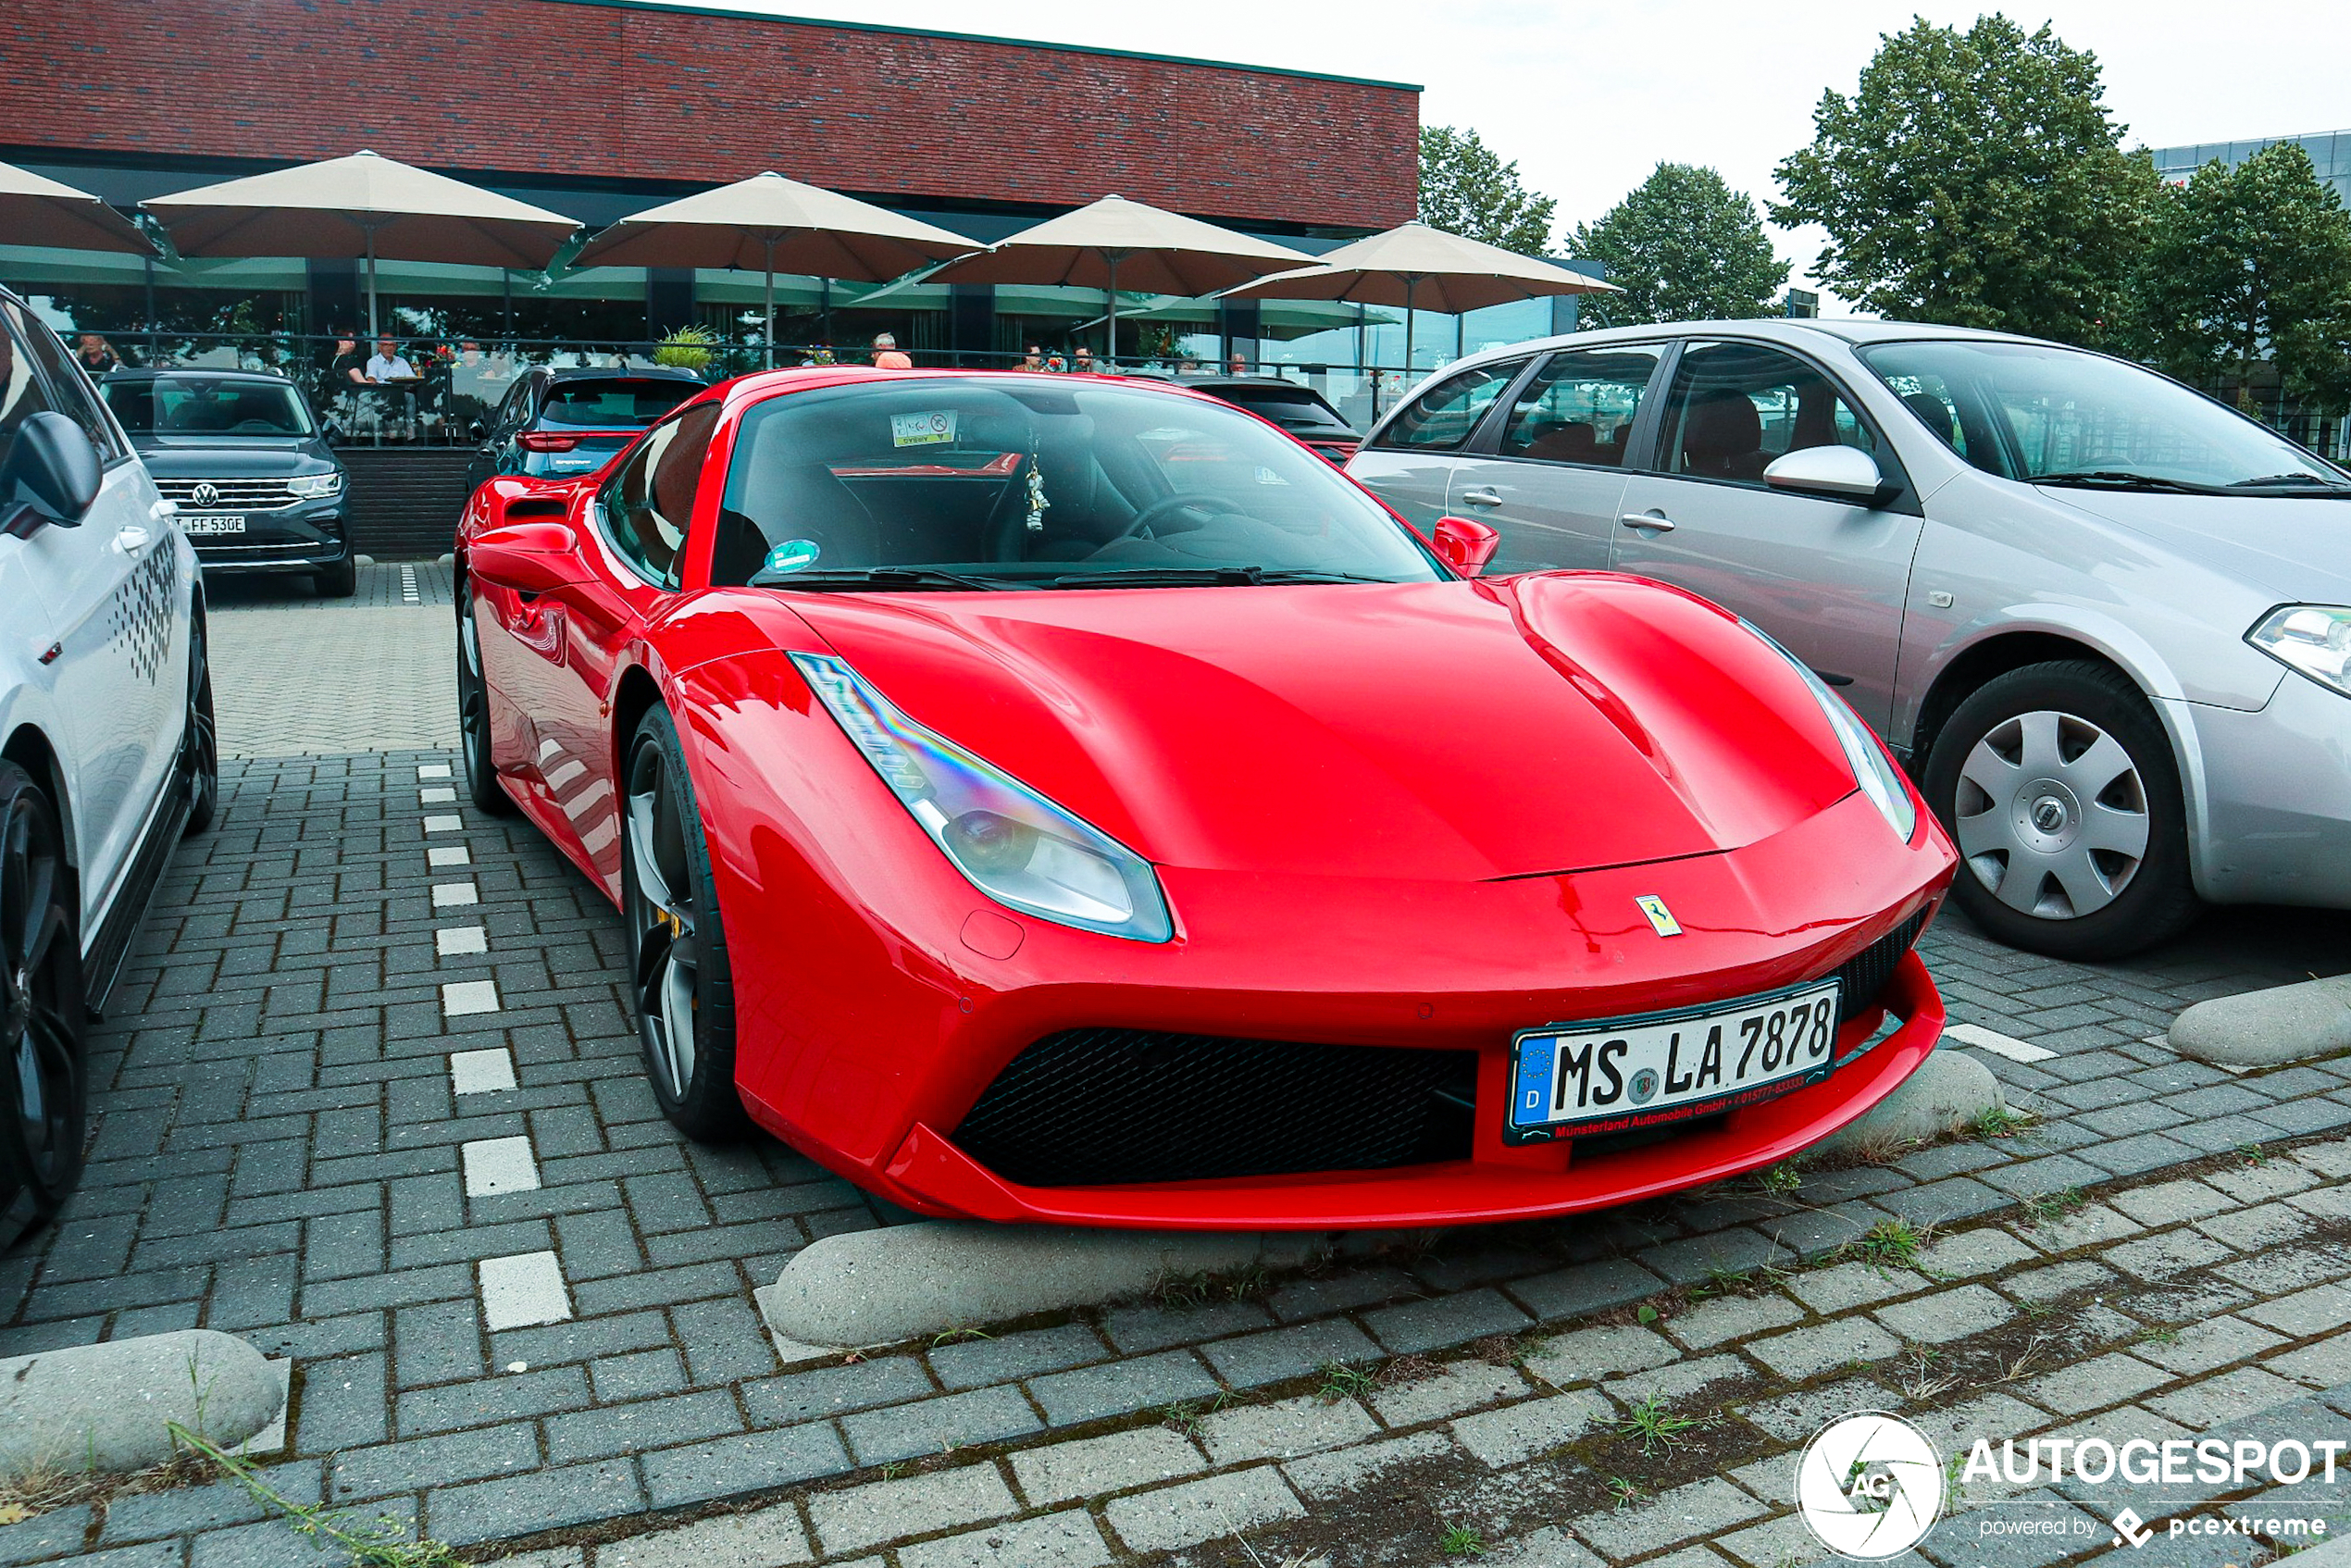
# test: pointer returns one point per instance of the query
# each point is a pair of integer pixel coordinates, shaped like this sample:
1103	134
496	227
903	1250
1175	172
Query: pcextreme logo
1869	1486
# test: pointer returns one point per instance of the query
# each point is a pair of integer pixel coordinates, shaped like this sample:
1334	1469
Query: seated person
388	364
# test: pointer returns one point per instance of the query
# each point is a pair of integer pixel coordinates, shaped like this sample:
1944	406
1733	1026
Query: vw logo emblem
205	494
1643	1089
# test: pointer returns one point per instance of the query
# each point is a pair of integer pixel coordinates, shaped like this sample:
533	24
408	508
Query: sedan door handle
132	539
1480	498
1651	521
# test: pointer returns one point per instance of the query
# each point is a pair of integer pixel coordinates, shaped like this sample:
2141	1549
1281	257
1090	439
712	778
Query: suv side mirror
1465	544
1838	473
51	476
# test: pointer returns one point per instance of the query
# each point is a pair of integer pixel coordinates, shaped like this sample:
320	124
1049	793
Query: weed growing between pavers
377	1543
1889	1245
47	1489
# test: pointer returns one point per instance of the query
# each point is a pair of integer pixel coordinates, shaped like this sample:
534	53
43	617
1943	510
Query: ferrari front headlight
2314	638
1873	769
1011	842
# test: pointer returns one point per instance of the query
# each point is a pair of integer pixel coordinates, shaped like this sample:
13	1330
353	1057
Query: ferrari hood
1452	731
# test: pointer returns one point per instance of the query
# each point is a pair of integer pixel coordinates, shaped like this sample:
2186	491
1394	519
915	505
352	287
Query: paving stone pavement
385	1119
328	676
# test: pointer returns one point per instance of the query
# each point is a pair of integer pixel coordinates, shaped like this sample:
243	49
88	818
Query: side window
69	394
647	504
1937	407
1737	407
1580	406
1442	418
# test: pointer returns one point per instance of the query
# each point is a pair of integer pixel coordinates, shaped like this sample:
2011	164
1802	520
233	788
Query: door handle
1480	498
132	539
1651	521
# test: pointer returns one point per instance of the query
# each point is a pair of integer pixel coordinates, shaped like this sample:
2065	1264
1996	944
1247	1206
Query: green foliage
1995	1120
1975	178
1467	189
2042	1208
1460	1540
376	1543
1656	1427
1343	1381
1684	246
2248	264
688	348
1887	1244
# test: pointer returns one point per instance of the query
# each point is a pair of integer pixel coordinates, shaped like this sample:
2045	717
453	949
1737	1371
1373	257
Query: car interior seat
792	501
1569	440
1937	415
1723	436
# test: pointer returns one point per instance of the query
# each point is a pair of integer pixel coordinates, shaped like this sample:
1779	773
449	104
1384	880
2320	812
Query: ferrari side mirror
51	476
1465	544
526	557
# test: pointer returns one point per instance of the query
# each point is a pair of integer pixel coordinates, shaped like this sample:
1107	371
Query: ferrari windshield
1016	481
2048	415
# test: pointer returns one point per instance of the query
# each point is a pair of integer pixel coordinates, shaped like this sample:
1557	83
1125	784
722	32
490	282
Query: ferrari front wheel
679	978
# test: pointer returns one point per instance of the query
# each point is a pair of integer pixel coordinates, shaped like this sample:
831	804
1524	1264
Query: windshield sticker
1267	476
923	430
793	555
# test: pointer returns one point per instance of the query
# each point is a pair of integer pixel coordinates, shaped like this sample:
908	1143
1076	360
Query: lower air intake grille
1865	974
1106	1107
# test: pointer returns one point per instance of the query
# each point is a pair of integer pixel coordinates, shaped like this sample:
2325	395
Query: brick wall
603	91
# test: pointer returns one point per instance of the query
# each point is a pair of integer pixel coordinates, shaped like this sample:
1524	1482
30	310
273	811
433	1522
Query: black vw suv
247	463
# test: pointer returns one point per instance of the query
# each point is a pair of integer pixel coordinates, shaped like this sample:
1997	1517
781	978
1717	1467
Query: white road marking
445	824
453	895
481	1071
499	1165
1997	1044
408	585
459	998
439	795
451	940
433	770
448	855
524	1290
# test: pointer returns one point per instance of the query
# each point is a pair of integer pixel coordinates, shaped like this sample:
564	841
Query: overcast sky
1589	97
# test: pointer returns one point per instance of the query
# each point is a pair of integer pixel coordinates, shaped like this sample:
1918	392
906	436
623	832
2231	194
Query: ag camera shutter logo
1869	1486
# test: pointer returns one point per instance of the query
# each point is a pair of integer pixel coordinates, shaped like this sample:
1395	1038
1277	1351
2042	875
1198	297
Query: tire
473	713
199	738
44	1091
340	580
2058	787
680	983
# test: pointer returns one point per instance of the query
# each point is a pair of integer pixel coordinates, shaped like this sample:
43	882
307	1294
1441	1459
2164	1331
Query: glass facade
2330	154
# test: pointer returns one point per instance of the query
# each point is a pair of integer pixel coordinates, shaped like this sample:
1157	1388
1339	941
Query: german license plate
1576	1079
215	523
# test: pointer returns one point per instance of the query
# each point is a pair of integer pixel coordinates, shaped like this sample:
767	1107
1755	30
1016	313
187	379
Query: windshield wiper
1205	576
891	579
2121	479
2305	482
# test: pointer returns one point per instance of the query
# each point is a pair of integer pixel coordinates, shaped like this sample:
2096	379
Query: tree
1684	246
2248	264
1975	179
1467	189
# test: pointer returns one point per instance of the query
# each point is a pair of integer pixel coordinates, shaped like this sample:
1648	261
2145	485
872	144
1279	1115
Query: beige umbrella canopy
1423	268
35	210
1160	252
768	223
386	208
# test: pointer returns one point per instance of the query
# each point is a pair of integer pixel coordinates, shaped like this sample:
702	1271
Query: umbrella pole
1109	346
369	229
768	311
1410	283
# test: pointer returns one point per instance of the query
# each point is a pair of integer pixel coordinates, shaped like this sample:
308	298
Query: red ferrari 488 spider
1071	800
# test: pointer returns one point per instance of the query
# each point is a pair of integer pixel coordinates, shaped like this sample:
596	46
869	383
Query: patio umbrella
35	210
1163	252
385	208
769	222
1459	273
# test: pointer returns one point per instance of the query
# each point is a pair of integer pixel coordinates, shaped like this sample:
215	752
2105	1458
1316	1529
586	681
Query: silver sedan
2104	619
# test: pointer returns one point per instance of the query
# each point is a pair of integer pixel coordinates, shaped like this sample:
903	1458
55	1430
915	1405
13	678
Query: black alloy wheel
199	738
42	1092
2058	785
473	712
680	981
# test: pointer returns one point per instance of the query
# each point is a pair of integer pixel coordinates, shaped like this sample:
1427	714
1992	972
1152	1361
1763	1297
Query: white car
106	752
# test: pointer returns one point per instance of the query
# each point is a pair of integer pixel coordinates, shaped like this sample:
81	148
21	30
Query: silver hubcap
662	918
2052	816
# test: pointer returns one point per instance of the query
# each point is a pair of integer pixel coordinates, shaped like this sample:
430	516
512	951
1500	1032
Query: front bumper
301	538
2277	799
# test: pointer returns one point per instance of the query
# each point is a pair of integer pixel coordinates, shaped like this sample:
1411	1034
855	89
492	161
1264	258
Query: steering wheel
1140	527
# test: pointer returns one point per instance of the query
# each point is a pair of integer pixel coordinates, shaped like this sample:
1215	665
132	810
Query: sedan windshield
2056	415
1011	481
191	405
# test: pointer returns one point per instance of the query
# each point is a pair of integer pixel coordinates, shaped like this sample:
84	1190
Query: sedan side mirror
51	476
526	557
1465	544
1838	473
